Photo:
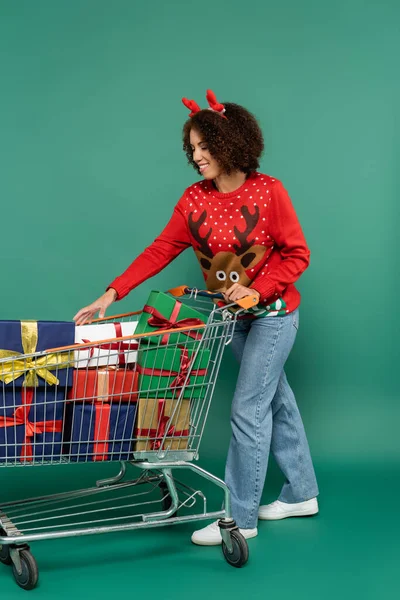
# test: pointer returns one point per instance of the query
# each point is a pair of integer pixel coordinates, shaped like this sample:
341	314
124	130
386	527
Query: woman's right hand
87	313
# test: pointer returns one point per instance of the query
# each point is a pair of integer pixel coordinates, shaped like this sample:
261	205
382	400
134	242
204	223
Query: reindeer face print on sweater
224	268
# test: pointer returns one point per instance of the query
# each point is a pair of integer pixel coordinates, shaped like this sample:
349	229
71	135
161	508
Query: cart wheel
30	574
166	498
240	550
5	557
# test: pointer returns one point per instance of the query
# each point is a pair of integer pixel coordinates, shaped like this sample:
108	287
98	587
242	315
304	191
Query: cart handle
182	290
112	317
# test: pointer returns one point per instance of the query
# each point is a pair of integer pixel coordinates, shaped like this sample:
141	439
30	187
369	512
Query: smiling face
207	165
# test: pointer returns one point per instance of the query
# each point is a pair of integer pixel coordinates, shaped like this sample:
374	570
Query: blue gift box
99	431
33	432
49	334
46	400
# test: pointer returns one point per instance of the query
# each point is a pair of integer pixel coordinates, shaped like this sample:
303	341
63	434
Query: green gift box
163	372
162	312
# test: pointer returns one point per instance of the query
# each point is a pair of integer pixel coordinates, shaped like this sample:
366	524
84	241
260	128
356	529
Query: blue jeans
265	416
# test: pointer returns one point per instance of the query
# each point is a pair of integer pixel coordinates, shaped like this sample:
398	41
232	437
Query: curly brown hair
235	142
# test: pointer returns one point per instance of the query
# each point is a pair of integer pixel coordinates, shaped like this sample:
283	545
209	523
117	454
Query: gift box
163	372
99	431
162	311
105	385
33	389
110	353
157	417
18	338
33	430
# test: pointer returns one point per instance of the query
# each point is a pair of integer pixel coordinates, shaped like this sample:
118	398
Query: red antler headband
212	101
191	105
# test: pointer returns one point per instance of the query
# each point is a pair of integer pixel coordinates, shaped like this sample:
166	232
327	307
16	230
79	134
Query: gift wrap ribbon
158	321
102	408
20	417
102	418
180	376
161	431
103	391
122	347
101	430
31	366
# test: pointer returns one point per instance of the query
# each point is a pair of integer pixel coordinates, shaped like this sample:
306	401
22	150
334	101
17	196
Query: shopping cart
156	426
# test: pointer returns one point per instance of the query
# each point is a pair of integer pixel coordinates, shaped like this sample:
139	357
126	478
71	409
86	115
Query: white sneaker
281	510
211	535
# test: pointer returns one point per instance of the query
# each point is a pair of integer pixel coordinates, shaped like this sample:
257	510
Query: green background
91	167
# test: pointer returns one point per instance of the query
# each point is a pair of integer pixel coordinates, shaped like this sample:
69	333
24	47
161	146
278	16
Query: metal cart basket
147	411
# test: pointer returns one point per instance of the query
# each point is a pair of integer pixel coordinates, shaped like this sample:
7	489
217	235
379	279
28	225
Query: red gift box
104	385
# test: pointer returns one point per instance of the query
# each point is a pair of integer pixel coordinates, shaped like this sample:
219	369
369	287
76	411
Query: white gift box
114	353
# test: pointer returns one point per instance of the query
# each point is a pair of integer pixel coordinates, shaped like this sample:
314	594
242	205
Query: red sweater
251	236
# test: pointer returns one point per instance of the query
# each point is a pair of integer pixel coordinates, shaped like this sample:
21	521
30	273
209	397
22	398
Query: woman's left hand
237	292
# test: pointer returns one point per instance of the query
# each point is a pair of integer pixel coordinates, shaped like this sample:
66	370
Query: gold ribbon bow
32	366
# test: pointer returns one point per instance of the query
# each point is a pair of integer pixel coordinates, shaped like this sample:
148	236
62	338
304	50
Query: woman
247	239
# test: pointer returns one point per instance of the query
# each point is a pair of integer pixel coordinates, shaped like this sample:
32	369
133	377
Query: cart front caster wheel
28	579
5	557
240	550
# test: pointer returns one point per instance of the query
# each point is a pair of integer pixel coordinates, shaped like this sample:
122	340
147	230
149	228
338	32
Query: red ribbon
163	420
101	430
122	347
159	433
158	321
180	376
20	417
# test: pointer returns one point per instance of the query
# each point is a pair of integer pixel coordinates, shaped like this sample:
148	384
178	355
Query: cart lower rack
139	399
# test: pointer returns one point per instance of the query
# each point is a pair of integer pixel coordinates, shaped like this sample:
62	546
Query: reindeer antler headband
214	105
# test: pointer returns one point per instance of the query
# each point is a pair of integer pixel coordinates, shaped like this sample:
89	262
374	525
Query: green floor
350	550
